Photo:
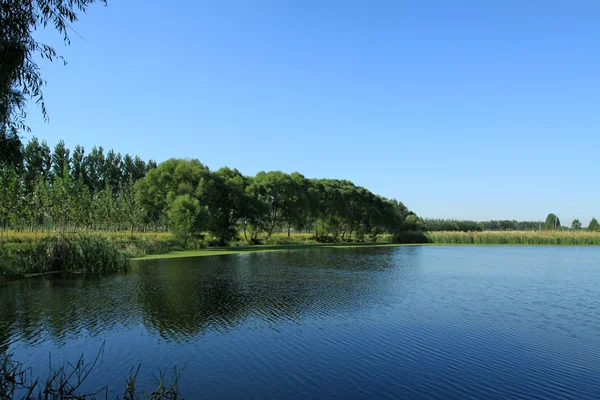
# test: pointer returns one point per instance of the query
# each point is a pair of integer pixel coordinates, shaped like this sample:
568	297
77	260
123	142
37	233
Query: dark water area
405	322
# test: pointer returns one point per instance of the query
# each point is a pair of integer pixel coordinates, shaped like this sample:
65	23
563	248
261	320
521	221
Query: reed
516	237
66	381
75	252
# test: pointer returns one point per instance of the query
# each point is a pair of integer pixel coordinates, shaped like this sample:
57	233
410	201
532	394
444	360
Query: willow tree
20	75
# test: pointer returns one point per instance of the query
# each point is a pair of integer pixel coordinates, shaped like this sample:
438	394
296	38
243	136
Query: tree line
552	222
190	198
453	225
58	189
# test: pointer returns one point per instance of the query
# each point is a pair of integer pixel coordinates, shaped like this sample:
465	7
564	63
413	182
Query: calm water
405	322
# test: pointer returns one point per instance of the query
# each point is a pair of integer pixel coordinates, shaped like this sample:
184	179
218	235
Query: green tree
275	188
576	225
9	190
104	209
11	148
295	202
38	162
62	200
40	203
413	222
552	222
224	192
20	76
172	178
78	163
114	170
95	170
594	226
254	215
187	218
61	159
132	210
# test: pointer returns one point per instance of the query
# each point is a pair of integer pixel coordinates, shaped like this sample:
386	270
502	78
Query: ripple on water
434	322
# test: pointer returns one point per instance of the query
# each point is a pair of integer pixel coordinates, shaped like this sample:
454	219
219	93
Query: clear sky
465	109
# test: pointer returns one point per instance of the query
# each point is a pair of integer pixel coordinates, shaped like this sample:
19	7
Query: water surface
404	322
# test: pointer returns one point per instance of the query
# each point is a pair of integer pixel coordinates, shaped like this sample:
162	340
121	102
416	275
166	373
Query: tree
78	163
114	170
186	217
20	76
275	188
174	177
95	169
38	162
552	222
9	185
61	159
40	203
576	225
412	222
11	149
132	211
224	193
594	226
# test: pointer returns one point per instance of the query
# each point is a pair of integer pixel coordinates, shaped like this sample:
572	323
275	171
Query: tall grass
87	253
66	381
25	236
516	237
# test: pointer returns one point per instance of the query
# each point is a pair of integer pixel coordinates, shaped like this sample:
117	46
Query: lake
392	322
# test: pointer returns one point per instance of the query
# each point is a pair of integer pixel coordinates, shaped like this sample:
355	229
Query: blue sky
465	109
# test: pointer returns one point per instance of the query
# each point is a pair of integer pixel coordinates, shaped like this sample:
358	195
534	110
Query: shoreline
223	251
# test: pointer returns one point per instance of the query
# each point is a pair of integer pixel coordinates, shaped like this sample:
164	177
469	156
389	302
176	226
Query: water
405	322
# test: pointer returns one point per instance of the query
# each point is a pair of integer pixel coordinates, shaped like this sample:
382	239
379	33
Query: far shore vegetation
63	210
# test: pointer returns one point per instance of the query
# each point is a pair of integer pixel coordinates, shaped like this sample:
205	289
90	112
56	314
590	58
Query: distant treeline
552	222
453	225
64	190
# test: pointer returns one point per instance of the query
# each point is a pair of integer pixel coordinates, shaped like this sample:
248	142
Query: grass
563	238
65	382
26	236
29	253
86	253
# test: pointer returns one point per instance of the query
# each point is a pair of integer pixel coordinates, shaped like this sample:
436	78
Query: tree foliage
187	218
20	75
594	226
552	222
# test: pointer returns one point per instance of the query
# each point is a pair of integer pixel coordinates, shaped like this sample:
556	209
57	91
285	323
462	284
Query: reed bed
83	253
516	237
26	236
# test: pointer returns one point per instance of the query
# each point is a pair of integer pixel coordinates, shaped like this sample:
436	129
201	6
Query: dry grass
27	236
516	237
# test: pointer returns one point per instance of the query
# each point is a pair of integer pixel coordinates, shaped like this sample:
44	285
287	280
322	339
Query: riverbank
221	251
102	252
500	238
